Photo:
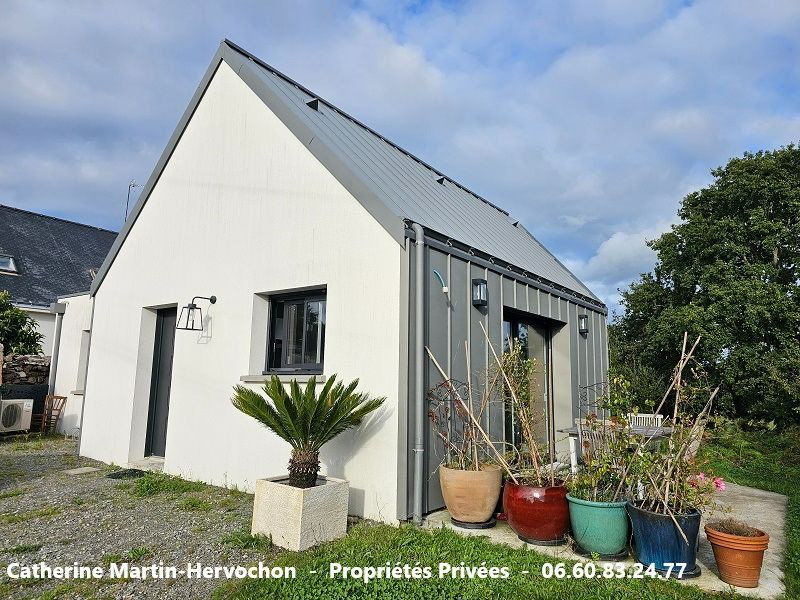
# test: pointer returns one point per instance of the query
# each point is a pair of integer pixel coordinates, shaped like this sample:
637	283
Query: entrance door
534	338
160	382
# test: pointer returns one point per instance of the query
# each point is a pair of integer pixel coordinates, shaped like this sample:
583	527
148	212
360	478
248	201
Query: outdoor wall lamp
480	292
193	319
583	324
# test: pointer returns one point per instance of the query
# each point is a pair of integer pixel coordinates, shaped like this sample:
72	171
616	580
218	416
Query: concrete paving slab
765	510
80	471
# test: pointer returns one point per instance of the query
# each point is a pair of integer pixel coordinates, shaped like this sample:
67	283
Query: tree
17	329
729	271
304	419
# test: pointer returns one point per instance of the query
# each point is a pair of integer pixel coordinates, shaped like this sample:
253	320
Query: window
297	332
7	264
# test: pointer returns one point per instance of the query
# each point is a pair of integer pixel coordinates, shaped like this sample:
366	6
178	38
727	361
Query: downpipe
419	365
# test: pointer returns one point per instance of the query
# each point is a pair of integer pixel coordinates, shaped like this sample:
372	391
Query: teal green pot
600	527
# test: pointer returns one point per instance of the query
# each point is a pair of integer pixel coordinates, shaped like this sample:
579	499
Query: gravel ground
47	515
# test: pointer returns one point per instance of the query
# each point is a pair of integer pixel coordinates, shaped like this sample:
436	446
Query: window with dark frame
296	333
7	264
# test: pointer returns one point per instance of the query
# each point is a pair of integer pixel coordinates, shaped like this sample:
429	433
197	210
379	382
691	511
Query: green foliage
377	545
22	549
766	459
17	329
158	483
138	553
244	539
729	271
303	418
192	503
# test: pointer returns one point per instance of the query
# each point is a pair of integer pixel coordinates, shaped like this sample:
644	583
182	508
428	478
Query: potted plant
738	551
665	518
303	508
596	499
469	478
534	496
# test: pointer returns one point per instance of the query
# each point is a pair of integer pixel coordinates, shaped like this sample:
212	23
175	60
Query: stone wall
28	369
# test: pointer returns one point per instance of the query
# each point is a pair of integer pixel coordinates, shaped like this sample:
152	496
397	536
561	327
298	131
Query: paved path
765	510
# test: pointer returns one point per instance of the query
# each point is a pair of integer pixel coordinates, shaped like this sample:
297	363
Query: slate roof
53	256
393	185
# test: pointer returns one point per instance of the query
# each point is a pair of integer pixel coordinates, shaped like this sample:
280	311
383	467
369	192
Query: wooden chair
53	407
645	420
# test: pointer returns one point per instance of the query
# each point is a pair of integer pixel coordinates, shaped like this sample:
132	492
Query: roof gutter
419	365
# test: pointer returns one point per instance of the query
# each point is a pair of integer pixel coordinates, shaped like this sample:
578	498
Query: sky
588	120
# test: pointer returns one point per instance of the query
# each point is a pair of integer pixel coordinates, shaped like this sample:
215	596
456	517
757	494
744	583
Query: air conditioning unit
15	415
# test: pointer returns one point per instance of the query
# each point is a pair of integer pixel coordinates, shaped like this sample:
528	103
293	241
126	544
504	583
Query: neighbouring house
329	250
43	257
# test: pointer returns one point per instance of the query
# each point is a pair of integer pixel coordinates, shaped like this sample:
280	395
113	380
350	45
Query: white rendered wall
45	324
243	208
76	320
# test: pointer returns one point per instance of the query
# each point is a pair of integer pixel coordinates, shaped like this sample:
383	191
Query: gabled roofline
247	68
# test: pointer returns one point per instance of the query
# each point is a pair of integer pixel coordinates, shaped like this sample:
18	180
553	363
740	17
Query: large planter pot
298	518
658	541
739	558
471	496
538	515
600	527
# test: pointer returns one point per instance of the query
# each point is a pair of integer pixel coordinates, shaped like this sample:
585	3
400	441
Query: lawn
763	459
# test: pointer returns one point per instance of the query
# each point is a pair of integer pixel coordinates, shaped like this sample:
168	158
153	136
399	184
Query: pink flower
701	477
719	484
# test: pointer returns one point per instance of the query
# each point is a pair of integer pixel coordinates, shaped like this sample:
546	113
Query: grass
770	461
138	553
157	483
22	549
377	545
39	513
12	493
244	539
192	503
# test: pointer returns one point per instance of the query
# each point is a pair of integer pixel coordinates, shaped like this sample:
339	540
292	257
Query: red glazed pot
538	515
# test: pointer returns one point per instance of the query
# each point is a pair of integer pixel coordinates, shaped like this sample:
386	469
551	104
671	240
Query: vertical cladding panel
572	323
591	339
460	312
509	292
554	306
436	338
494	328
477	340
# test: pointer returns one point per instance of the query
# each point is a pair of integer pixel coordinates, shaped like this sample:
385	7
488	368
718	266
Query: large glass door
534	339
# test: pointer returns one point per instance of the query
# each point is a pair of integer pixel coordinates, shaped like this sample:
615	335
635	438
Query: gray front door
160	382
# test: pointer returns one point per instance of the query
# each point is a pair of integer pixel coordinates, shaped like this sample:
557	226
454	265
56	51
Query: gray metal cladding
409	187
451	320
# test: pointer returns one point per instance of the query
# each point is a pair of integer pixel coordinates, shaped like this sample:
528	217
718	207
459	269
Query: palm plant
305	419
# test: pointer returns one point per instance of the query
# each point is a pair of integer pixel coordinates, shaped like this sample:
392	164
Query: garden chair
645	420
53	407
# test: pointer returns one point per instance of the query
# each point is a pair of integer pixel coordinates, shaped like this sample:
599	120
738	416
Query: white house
329	250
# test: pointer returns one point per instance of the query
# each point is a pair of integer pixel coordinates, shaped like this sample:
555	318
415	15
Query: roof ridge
332	106
30	212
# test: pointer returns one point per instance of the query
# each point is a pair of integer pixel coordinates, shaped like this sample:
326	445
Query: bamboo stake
469	391
501	459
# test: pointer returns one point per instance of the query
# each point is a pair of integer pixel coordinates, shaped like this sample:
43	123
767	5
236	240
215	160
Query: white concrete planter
299	518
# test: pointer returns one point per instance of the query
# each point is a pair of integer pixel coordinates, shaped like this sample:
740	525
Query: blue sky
587	120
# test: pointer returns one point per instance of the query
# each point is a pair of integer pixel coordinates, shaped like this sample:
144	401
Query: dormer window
7	264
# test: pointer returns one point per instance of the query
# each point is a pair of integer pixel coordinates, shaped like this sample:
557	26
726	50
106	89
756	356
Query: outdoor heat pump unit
15	415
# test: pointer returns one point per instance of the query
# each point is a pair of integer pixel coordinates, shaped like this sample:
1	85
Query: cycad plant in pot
303	508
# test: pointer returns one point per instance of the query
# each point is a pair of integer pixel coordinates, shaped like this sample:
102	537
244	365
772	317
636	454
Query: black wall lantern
191	317
480	292
583	324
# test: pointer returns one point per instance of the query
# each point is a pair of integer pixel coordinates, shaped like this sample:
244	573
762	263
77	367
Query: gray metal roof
54	257
389	181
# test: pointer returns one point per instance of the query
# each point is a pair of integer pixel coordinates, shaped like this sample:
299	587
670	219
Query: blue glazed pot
658	541
600	527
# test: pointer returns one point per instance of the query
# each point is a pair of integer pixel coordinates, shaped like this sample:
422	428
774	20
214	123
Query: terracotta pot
738	557
538	515
471	496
